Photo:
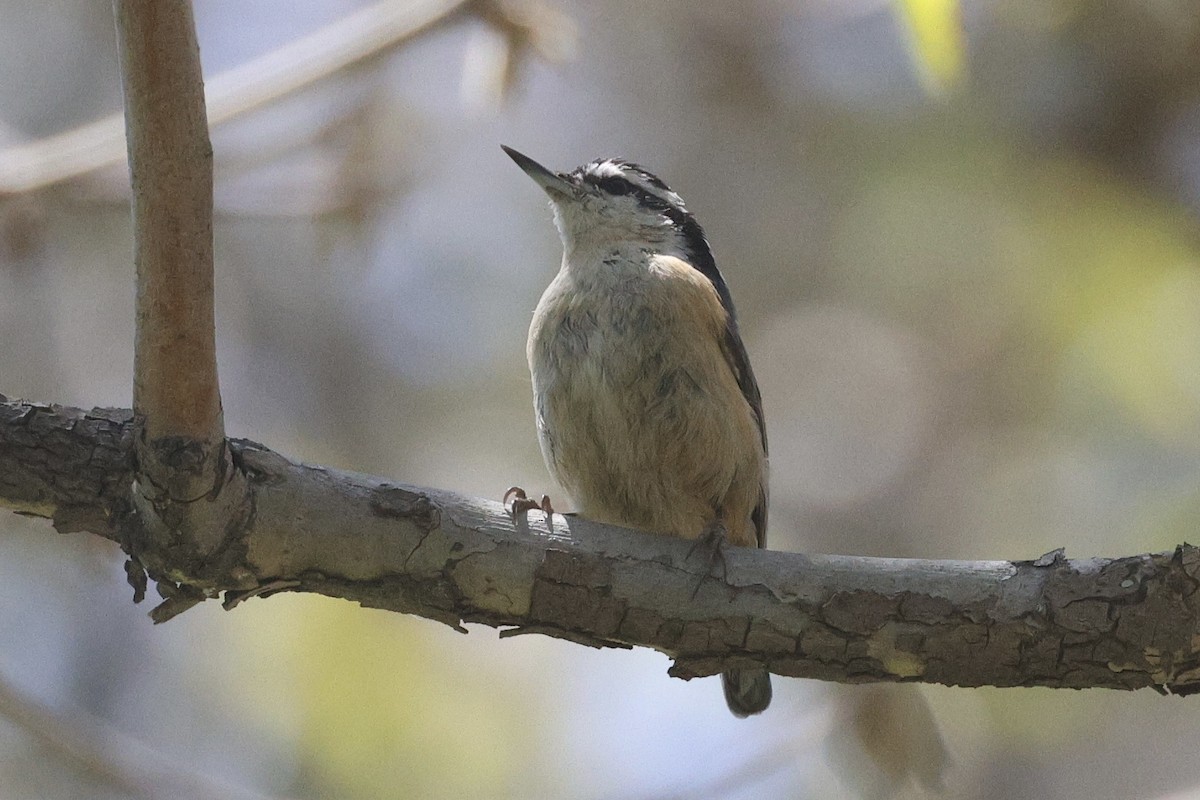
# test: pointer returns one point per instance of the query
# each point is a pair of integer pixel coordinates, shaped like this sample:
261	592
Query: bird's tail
747	691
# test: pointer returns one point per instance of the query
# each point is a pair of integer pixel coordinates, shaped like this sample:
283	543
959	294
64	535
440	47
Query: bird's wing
739	363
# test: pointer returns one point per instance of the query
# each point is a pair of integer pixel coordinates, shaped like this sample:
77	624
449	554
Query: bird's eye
615	185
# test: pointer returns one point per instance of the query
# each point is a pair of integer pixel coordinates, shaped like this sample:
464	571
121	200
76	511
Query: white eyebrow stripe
609	168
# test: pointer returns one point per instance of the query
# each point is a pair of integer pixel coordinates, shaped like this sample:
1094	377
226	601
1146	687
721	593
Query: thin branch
352	39
118	759
355	38
187	490
170	157
1121	623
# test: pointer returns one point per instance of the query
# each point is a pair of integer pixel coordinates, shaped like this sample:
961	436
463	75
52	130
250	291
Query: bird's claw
522	502
711	539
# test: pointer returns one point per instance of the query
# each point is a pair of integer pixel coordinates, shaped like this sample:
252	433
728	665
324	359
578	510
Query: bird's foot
522	502
711	544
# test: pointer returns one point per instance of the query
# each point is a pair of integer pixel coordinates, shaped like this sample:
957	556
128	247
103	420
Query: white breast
639	414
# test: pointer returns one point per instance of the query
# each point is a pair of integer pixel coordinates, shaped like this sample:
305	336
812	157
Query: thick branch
1118	623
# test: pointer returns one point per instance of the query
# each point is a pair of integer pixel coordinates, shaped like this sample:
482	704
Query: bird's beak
553	184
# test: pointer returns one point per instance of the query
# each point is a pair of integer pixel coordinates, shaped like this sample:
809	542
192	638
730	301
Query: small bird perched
647	410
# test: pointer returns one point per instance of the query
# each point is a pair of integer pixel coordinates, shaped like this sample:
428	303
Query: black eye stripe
650	200
615	184
619	185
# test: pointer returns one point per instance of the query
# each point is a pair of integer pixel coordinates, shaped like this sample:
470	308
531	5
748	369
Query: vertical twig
170	161
184	469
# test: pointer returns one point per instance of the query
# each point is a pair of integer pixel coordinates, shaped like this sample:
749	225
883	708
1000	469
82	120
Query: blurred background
962	238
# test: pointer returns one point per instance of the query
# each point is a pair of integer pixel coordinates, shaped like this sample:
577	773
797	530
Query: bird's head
610	201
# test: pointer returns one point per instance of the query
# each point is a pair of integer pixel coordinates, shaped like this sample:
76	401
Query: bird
647	410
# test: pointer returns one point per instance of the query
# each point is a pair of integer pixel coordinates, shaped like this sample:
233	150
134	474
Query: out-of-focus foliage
374	720
938	41
962	241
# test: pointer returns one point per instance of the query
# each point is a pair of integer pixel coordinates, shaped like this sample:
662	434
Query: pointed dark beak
552	183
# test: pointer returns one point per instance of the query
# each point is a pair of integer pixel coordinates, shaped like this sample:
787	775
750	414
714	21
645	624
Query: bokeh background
962	237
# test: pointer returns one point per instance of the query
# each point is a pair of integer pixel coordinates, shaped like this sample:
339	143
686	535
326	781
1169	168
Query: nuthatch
647	410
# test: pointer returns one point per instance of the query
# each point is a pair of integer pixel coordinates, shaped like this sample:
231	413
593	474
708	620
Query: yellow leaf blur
936	40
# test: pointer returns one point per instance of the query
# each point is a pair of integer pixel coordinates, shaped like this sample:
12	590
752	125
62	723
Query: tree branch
187	494
127	764
1122	623
351	40
170	160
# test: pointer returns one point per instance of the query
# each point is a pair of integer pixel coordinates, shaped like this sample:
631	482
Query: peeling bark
1121	623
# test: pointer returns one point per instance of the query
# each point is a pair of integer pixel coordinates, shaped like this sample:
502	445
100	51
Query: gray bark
1121	623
